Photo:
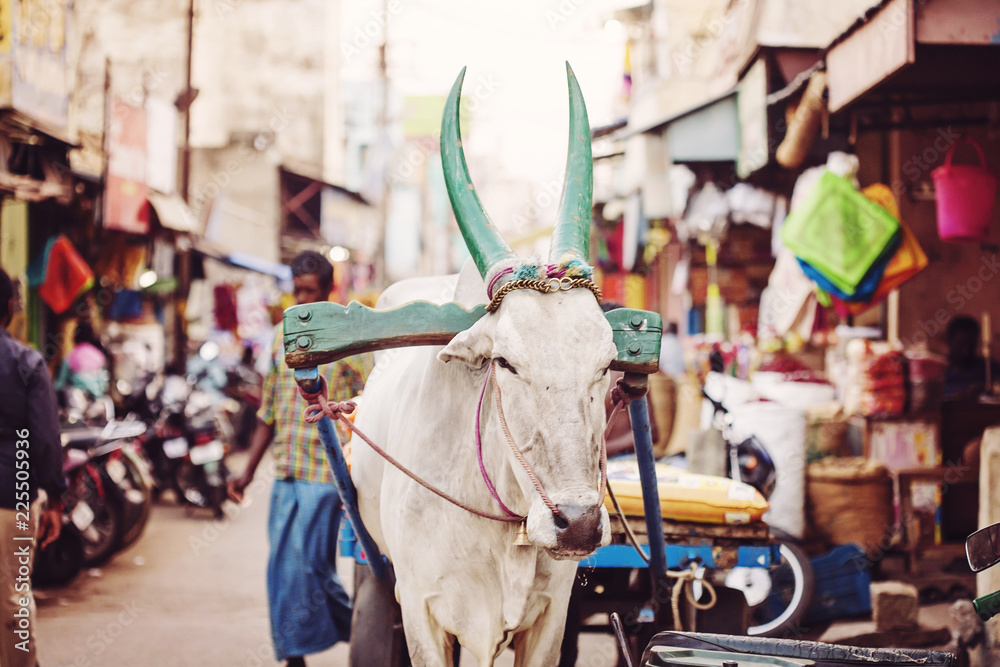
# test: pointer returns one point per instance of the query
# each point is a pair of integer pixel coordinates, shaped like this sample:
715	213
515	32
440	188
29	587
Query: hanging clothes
226	314
60	274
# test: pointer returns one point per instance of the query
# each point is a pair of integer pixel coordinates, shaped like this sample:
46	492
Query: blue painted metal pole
638	413
307	379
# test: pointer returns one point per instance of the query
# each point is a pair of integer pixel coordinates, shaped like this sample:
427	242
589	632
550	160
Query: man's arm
45	447
259	442
262	435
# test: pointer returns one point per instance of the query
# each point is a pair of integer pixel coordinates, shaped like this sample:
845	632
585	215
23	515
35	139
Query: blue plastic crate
842	585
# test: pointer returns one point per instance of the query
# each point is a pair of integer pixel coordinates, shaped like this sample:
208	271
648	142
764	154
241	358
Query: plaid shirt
297	448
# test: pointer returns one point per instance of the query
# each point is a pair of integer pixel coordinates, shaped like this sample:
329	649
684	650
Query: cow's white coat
459	575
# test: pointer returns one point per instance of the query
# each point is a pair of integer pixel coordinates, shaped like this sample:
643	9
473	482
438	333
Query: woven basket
849	501
662	403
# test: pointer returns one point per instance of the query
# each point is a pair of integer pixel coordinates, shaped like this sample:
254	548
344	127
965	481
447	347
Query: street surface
191	592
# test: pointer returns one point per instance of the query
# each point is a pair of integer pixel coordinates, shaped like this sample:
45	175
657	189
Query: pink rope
497	277
479	447
320	407
519	455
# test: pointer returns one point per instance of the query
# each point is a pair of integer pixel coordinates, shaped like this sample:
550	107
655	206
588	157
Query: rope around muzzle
319	407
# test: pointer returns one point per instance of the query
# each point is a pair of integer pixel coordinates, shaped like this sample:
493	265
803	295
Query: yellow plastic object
909	259
685	496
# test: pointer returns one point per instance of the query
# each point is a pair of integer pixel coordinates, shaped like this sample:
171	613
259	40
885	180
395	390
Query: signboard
161	146
959	22
872	53
751	103
125	205
39	81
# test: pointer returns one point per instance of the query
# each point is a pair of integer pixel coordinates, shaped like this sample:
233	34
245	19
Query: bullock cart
321	333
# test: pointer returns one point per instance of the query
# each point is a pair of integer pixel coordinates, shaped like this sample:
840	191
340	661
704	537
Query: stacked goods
826	431
849	501
876	379
662	402
926	371
686	496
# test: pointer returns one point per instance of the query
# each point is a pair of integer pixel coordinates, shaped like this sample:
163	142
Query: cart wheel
790	592
376	624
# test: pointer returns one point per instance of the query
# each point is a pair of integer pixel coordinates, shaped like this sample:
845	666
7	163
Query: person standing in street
30	459
309	609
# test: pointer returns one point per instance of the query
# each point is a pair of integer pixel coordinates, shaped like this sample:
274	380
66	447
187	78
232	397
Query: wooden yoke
321	333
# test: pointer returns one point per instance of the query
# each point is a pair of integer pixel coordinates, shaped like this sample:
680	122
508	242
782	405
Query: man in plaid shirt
309	609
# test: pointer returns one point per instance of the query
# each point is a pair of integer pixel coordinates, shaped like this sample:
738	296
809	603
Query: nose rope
319	407
479	450
519	455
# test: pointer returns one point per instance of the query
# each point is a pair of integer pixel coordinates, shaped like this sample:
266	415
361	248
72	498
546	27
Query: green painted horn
572	231
484	241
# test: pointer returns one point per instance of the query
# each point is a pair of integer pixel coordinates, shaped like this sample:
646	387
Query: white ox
459	575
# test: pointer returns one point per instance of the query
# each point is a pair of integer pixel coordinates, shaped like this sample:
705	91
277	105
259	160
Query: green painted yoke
321	333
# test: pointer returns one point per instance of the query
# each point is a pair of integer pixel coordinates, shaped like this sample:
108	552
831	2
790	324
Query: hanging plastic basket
965	196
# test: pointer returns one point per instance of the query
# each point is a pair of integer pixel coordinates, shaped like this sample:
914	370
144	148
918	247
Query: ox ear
472	347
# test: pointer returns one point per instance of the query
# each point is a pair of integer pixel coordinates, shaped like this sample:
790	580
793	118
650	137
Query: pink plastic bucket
965	196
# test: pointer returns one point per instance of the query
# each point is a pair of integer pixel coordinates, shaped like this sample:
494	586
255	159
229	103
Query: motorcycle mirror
209	351
982	548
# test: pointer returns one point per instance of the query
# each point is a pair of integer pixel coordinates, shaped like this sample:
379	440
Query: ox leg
429	645
540	645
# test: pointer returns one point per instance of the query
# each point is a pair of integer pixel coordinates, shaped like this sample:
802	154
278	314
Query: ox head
550	351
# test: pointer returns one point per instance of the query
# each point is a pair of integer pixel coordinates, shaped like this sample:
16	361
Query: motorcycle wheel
137	489
203	486
102	538
61	561
790	594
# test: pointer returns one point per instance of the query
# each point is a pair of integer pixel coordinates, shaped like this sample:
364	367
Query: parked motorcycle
244	385
191	436
108	490
60	562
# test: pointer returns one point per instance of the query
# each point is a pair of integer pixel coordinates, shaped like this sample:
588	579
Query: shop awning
276	269
243	260
943	53
707	133
173	212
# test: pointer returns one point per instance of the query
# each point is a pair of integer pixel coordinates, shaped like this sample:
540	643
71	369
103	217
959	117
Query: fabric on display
226	317
125	305
60	274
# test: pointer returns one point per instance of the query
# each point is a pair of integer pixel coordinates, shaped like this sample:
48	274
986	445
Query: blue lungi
310	610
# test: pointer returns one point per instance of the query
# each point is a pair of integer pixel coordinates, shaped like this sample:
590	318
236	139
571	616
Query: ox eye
503	363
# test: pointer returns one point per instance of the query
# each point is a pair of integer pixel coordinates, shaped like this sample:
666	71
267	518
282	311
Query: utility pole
188	98
385	146
106	140
184	253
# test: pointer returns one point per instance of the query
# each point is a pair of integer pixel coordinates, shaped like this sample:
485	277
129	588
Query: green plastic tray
839	231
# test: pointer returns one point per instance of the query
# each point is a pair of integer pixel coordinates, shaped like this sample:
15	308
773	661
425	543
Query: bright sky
514	51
